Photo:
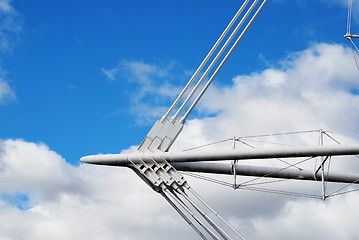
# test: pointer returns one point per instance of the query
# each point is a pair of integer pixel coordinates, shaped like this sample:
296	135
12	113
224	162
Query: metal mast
160	174
348	34
166	130
158	167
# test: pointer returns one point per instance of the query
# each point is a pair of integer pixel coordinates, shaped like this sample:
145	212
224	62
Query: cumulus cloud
44	197
311	89
296	220
67	202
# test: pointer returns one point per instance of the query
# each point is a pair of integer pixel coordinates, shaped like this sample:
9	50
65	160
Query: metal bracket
167	181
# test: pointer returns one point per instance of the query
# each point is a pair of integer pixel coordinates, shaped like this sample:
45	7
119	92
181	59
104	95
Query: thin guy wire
253	188
276	158
340	189
268	174
342	193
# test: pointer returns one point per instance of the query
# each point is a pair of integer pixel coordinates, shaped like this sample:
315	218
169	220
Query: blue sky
54	63
87	77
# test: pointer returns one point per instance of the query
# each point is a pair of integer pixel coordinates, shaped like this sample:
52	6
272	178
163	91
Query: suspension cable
354	47
208	144
288	193
245	187
340	189
205	60
258	136
341	133
214	61
249	184
268	174
222	62
342	193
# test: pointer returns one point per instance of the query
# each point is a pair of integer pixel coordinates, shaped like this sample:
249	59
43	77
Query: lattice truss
320	171
163	170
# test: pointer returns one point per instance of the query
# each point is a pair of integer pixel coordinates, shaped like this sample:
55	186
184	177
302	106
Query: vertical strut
234	164
322	166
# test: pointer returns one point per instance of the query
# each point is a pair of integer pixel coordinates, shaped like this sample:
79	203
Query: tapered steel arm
235	154
269	172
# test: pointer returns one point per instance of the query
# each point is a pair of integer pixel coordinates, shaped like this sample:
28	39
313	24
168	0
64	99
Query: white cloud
334	219
44	197
10	25
110	73
149	87
6	92
311	90
68	202
5	6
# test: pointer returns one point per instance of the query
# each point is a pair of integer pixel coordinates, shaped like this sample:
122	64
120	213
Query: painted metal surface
124	159
268	172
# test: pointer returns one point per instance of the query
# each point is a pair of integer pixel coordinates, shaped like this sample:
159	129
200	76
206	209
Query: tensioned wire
254	188
247	185
254	136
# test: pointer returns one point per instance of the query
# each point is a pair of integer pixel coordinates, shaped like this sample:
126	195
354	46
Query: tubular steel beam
269	172
235	154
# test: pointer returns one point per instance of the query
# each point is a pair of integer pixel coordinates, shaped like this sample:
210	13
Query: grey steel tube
259	171
220	155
